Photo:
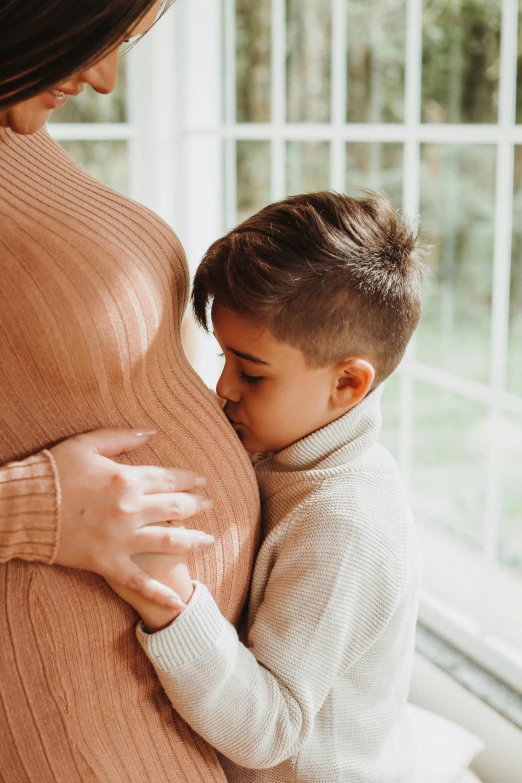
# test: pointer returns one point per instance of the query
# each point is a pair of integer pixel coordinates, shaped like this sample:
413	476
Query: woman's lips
54	99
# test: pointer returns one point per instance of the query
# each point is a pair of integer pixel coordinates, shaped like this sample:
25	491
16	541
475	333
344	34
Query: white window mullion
338	94
500	298
91	131
154	144
278	99
360	132
411	180
230	113
201	211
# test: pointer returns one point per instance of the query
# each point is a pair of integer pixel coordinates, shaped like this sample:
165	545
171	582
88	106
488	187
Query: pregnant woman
92	291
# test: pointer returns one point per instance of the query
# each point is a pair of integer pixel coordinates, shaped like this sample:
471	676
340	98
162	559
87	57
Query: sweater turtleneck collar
337	443
7	136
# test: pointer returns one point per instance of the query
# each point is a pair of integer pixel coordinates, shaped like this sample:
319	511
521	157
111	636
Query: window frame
151	93
209	132
183	166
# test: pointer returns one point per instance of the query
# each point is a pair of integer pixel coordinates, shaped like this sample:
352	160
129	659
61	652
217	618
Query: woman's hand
110	512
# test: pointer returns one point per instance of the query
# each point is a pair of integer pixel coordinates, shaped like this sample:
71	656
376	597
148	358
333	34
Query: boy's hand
170	570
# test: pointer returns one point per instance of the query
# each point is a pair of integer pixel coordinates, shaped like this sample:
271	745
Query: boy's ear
352	382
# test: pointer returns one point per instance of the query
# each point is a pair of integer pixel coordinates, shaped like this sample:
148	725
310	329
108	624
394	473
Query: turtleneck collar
8	136
340	442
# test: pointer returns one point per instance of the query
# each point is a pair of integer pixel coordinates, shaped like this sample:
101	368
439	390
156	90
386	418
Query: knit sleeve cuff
189	636
30	503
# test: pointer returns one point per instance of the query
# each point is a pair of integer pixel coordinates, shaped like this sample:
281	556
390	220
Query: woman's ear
353	380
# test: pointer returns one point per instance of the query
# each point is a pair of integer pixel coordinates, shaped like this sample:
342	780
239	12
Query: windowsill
492	691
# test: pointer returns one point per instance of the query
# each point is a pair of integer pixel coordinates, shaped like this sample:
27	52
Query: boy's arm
257	704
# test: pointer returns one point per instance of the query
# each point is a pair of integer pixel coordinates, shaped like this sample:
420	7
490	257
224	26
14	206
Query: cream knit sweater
318	691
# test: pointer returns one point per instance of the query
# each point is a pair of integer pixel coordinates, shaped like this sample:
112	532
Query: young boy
314	301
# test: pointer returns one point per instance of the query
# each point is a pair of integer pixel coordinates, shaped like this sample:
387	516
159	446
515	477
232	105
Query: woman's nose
103	75
226	388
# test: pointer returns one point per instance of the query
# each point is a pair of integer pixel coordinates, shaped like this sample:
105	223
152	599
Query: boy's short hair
334	276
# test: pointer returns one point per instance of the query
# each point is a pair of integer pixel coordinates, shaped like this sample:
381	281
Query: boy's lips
234	422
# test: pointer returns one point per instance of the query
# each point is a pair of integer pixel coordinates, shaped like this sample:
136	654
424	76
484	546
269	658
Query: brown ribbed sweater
92	291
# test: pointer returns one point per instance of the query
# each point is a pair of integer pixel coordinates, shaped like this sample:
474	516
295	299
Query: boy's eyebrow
247	356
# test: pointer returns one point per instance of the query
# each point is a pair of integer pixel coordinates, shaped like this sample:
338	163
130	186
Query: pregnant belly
192	432
163	393
78	681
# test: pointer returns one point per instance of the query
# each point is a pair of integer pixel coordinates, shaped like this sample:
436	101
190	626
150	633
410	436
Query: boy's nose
226	389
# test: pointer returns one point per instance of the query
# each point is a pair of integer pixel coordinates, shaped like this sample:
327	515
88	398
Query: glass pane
511	522
92	107
507	585
253	177
457	208
390	414
105	160
307	166
308	41
514	370
376	59
460	60
253	60
449	463
376	166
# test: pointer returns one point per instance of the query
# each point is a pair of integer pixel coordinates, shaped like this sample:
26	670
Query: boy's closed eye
243	376
250	379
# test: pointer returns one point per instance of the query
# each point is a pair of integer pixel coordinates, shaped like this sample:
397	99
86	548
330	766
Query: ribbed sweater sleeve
29	509
257	704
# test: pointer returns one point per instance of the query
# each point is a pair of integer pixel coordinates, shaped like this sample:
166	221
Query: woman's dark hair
43	42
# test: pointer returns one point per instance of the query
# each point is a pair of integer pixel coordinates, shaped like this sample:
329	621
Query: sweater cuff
30	503
189	636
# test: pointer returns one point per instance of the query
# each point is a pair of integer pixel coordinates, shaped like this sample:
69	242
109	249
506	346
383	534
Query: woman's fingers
170	540
155	480
173	507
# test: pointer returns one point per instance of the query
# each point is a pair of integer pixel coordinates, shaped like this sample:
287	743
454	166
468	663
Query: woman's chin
26	118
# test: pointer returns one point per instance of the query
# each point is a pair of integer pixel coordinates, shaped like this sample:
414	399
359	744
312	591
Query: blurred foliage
307	166
376	37
514	375
449	461
253	177
253	46
460	60
105	160
375	166
308	56
457	204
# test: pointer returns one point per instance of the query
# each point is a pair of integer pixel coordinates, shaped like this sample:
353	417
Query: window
422	100
114	137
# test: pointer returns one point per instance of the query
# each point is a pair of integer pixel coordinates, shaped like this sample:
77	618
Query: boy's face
273	397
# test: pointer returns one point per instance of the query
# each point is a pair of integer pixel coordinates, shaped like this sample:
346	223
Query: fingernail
200	481
204	540
176	603
143	433
207	505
